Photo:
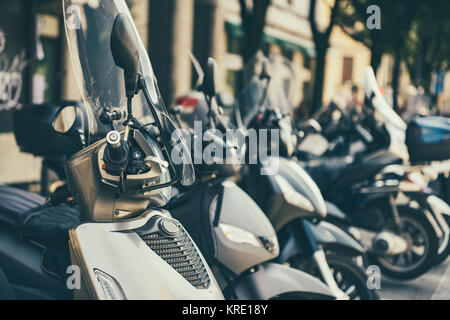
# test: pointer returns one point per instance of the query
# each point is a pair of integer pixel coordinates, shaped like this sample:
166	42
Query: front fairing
88	29
117	263
303	184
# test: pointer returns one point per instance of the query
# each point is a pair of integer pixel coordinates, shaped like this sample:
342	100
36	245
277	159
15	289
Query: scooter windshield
385	112
88	26
272	91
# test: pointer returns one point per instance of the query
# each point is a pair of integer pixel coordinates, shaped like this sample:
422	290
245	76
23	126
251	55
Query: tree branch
333	16
312	18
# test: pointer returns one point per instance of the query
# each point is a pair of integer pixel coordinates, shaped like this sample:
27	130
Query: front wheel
420	255
349	277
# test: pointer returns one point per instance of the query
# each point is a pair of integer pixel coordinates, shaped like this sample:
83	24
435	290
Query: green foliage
253	14
397	18
414	31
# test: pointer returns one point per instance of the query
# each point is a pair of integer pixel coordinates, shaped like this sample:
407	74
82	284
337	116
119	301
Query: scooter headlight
240	236
110	287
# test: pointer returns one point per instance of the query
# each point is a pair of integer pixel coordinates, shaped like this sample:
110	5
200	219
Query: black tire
443	255
411	215
349	274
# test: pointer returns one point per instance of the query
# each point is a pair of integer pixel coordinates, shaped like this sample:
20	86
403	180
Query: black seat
326	170
28	214
25	216
334	174
15	204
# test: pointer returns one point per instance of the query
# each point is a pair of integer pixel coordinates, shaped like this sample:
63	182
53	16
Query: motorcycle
159	233
301	238
124	246
238	239
391	213
422	147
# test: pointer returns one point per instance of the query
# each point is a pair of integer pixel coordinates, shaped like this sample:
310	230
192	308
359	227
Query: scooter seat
335	174
28	214
15	204
325	170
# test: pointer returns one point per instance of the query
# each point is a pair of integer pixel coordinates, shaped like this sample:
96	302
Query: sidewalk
434	285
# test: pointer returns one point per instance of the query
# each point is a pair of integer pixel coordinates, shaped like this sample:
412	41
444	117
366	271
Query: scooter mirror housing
266	72
211	80
312	123
125	51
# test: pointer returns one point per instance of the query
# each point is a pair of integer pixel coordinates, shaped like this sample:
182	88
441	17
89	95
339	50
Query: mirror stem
131	80
130	108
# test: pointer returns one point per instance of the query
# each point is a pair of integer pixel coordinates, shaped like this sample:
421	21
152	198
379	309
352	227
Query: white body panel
124	256
238	210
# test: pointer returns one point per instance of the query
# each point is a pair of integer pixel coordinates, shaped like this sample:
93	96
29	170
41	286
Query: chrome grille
180	253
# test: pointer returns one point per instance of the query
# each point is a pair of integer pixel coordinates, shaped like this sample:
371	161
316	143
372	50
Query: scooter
305	244
238	238
164	235
403	236
119	248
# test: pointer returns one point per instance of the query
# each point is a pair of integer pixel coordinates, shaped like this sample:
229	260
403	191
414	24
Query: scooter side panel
271	281
21	262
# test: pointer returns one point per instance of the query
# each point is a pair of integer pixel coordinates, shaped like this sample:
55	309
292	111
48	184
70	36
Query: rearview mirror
125	50
211	80
312	123
65	119
266	72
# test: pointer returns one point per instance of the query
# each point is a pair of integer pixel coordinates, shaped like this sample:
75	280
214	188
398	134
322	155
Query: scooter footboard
272	281
122	260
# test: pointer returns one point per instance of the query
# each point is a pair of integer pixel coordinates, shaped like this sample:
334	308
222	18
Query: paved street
434	285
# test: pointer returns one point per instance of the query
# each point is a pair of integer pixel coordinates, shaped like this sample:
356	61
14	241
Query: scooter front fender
331	237
433	209
272	281
324	234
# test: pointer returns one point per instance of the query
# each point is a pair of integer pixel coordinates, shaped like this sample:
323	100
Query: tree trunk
321	42
319	76
253	22
396	80
375	60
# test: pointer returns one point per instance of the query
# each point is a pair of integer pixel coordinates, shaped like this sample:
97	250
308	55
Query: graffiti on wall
11	76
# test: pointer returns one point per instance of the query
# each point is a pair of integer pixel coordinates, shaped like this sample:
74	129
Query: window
234	81
287	53
306	61
234	44
347	74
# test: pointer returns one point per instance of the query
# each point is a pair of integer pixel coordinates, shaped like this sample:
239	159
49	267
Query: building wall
19	167
342	46
200	26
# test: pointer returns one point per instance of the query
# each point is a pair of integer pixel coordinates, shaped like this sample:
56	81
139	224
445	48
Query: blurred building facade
32	42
